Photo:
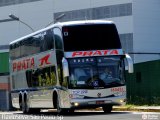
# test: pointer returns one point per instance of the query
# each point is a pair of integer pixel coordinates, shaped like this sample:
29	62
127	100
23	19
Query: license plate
99	102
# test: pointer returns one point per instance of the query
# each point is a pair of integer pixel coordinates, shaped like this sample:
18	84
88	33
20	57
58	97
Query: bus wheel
59	109
25	105
107	108
20	101
28	109
24	108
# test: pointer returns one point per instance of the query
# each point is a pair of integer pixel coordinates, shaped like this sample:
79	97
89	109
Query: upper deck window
90	37
40	42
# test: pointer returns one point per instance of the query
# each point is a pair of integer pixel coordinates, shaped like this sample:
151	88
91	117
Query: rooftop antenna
85	17
90	13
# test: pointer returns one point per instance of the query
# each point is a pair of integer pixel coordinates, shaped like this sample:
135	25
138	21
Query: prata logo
95	53
23	64
44	60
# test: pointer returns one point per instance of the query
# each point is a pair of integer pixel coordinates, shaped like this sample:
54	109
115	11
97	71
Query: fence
143	86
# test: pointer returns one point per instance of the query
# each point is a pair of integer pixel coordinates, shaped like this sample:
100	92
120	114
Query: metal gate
4	100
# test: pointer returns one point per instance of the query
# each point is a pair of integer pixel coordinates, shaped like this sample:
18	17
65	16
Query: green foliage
137	100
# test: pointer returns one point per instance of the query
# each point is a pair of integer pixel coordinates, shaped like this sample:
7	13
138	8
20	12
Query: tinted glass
96	72
58	38
30	45
35	44
41	77
91	37
47	41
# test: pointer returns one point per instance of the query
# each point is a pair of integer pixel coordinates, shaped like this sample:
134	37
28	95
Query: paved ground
137	108
82	115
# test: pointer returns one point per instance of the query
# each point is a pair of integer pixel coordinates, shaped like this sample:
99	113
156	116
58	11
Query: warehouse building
137	22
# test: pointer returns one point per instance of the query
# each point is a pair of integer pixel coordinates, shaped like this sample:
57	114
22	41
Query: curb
136	109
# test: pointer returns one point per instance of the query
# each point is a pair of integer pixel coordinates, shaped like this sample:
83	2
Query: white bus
68	66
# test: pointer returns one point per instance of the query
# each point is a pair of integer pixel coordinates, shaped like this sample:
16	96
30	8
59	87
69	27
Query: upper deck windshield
96	72
90	37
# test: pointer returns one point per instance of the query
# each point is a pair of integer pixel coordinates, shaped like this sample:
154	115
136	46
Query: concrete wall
124	24
35	14
142	23
146	29
139	32
4	81
4	93
82	4
118	11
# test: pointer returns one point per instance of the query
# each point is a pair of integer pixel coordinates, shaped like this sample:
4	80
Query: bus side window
58	38
17	50
41	77
29	78
12	51
23	48
47	40
30	45
59	55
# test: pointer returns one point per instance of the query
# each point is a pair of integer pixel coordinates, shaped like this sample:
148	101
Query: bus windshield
96	72
90	37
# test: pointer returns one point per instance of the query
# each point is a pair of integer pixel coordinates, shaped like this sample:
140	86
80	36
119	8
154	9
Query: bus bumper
99	102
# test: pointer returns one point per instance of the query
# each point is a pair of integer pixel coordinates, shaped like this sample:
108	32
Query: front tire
59	109
107	108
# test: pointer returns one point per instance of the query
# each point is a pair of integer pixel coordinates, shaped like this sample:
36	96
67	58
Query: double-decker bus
68	66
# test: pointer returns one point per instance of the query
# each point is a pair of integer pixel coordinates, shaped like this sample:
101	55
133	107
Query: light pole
6	20
17	19
59	17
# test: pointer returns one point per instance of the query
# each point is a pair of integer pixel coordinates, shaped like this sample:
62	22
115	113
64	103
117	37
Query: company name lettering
23	64
94	53
30	63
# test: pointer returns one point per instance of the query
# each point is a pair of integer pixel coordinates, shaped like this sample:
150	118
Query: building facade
138	26
34	13
4	81
137	22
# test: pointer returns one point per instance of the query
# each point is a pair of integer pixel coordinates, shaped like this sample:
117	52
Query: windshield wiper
114	82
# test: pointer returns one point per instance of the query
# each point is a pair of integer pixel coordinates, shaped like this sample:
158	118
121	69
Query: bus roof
61	24
83	22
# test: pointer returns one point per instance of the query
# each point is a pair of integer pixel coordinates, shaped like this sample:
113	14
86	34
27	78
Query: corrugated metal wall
4	62
143	86
4	81
4	100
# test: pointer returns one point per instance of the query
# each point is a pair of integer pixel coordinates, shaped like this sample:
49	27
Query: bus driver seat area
80	76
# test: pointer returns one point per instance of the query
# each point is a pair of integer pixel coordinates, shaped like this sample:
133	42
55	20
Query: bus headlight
76	104
118	94
122	100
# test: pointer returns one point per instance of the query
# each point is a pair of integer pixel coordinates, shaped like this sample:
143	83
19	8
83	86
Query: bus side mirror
130	63
65	67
